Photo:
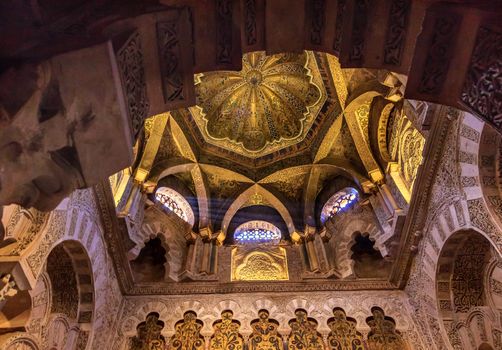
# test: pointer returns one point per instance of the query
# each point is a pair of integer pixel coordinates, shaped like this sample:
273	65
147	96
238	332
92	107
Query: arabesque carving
226	333
485	71
187	333
467	280
130	61
149	337
383	334
304	334
270	104
343	335
265	335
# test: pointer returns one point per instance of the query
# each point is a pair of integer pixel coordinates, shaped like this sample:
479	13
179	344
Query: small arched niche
368	261
151	263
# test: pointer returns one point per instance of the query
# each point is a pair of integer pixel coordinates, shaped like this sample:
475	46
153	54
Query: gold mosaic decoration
383	334
304	334
343	335
266	264
149	337
187	333
265	335
226	333
270	104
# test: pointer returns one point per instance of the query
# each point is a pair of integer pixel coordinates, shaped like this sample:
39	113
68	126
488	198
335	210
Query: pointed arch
253	194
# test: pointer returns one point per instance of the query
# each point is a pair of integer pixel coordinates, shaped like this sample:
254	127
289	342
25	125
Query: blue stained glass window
340	201
257	231
176	203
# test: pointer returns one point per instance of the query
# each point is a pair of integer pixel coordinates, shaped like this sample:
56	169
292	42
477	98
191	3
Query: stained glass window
257	231
340	201
176	203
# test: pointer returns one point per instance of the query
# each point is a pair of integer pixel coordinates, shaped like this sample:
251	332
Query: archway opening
150	265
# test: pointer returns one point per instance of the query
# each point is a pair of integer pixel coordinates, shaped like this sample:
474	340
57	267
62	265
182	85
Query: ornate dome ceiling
269	105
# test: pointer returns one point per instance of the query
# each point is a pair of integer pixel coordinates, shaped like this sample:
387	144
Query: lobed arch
343	229
174	233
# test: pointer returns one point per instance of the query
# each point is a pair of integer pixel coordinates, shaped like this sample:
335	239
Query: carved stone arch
21	227
265	333
461	289
343	335
41	296
266	304
343	230
257	195
304	334
304	304
476	330
174	232
383	333
226	333
392	309
380	111
363	244
481	322
128	325
24	230
72	284
478	161
148	334
56	334
490	172
195	306
226	305
151	264
356	114
19	341
493	282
